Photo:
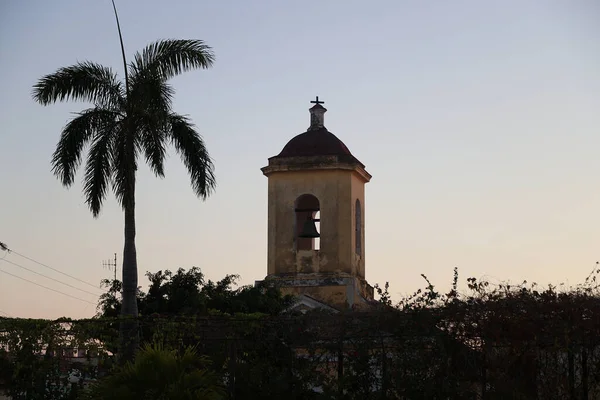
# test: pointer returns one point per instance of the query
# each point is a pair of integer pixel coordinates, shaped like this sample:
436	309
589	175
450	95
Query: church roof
315	142
304	303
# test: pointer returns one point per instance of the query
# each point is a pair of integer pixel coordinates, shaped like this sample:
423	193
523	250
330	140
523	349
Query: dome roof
315	142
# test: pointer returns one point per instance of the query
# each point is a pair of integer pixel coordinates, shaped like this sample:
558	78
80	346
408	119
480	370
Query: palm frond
171	57
190	146
152	142
74	137
98	171
149	94
126	150
151	99
84	81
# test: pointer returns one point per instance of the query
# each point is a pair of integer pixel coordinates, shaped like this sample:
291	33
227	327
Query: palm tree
127	120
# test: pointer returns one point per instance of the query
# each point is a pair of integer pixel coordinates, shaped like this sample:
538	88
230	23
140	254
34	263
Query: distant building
316	220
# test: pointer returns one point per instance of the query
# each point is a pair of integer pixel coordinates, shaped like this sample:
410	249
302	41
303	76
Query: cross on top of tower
317	102
317	115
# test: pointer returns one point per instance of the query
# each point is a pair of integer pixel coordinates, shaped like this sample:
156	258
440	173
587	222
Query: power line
48	277
46	287
4	247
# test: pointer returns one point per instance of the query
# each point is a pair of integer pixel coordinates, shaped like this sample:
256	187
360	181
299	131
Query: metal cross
317	102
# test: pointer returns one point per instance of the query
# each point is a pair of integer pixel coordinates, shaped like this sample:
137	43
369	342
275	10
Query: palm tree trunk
129	335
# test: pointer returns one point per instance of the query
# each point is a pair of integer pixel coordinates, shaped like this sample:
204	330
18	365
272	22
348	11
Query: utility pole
111	265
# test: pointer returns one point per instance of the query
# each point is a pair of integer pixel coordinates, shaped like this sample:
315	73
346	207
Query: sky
477	119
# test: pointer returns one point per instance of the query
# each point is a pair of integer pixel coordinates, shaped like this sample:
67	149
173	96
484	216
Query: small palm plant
127	120
160	374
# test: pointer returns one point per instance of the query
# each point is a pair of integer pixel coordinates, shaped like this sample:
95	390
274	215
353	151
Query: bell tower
316	218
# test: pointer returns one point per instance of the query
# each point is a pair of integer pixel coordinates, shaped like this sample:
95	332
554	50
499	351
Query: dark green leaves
75	135
125	164
168	58
124	124
84	81
98	170
158	373
190	146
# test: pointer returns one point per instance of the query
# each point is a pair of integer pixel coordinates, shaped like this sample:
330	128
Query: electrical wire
48	277
53	269
46	287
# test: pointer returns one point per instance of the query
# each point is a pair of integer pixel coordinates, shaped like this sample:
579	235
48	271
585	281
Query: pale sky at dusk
479	121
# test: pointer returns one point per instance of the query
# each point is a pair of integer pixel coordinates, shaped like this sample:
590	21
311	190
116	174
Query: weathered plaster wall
335	273
333	189
341	292
358	192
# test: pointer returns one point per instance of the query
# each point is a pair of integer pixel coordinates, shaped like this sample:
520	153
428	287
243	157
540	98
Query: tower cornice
315	163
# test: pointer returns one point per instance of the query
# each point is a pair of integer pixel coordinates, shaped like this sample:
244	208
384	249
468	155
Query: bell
309	230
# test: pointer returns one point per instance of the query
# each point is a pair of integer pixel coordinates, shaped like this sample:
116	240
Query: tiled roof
317	142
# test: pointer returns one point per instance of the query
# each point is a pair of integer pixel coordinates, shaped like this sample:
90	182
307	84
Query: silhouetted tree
187	293
127	120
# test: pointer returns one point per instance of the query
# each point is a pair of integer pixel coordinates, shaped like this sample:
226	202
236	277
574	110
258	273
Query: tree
158	373
127	120
186	293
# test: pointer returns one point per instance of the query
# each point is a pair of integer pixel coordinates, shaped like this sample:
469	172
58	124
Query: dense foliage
161	374
189	293
493	341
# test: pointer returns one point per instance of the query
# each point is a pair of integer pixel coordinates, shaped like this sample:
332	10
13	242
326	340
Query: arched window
308	226
357	228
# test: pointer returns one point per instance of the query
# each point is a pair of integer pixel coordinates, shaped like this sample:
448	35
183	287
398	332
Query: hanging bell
309	230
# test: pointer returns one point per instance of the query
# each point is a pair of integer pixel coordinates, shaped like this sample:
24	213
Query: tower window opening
317	241
308	227
358	228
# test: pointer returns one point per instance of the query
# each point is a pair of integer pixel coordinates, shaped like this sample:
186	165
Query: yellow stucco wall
358	192
337	191
335	273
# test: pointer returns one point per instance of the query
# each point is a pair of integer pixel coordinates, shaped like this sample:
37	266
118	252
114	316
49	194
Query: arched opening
308	223
358	228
